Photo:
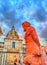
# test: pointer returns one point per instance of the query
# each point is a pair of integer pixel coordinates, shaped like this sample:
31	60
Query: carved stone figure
33	47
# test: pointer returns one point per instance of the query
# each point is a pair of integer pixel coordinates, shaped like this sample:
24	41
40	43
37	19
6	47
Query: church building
12	47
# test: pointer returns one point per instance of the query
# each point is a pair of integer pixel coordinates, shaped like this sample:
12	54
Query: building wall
1	45
8	45
11	52
10	57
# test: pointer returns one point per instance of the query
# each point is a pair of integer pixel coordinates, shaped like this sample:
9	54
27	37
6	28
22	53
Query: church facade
12	48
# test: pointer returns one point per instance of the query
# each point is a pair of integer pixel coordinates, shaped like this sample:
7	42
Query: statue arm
35	37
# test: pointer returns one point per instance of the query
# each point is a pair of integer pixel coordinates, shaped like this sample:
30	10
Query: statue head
25	25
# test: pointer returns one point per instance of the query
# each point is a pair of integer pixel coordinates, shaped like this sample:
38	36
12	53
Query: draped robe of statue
33	48
45	50
45	54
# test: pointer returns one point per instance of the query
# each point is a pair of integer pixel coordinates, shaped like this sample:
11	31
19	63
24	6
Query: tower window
13	44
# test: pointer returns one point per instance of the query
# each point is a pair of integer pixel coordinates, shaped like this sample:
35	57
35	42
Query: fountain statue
33	47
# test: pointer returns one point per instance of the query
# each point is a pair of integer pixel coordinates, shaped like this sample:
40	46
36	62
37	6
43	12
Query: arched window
13	45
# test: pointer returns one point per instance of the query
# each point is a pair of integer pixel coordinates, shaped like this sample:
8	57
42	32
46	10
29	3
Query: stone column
3	62
3	58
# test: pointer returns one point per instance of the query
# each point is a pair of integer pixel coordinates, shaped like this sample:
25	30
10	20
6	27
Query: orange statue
33	48
45	55
45	50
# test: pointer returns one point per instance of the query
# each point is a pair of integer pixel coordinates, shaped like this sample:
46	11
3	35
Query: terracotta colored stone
45	49
33	48
33	60
45	59
45	55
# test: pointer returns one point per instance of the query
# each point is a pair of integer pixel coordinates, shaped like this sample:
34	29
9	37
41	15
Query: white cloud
44	24
4	27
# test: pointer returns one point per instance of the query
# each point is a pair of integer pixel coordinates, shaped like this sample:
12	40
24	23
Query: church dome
12	34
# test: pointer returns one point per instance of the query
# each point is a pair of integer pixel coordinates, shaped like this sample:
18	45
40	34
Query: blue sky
14	12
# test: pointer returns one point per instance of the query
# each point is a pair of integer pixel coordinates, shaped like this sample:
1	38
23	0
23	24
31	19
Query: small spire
13	27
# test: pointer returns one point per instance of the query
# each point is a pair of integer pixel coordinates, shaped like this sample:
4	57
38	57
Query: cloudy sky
14	12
